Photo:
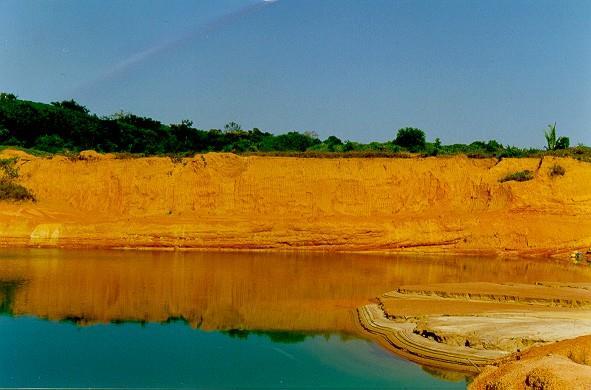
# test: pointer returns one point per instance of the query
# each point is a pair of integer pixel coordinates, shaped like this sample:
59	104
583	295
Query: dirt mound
561	365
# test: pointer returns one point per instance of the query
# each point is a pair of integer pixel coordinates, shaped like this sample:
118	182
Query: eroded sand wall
226	201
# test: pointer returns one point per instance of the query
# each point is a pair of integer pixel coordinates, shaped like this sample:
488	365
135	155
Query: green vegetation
67	127
9	189
8	170
518	176
13	191
411	139
553	142
557	170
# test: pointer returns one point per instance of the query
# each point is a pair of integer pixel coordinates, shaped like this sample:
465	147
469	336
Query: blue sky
460	70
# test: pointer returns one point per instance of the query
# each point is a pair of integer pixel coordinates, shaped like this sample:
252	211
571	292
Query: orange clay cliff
225	201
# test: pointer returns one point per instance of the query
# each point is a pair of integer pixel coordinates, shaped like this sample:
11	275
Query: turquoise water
41	353
111	319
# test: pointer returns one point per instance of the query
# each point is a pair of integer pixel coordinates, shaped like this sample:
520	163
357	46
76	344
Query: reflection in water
284	337
241	291
7	290
283	320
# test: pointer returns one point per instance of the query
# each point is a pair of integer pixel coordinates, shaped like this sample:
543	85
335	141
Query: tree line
70	126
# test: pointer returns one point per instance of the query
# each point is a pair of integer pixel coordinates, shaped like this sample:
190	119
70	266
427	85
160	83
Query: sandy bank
562	365
468	326
223	201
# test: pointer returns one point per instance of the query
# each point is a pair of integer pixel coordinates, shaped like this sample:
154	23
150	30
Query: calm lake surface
218	320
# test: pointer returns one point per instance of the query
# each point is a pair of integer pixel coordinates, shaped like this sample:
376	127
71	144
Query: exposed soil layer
561	365
471	325
224	201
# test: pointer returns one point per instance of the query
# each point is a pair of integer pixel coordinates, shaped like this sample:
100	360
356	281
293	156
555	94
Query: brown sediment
571	295
224	201
401	338
561	365
466	326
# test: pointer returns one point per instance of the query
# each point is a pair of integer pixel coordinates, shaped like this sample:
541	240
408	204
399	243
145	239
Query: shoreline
19	231
475	327
400	341
542	254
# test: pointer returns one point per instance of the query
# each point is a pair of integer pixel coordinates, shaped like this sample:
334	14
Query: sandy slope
225	201
562	365
466	326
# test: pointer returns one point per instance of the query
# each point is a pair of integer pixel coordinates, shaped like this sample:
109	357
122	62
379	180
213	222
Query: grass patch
581	153
10	190
525	175
8	168
557	170
351	154
32	152
128	155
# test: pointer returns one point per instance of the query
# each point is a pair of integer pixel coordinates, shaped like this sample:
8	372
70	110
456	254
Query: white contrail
203	29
